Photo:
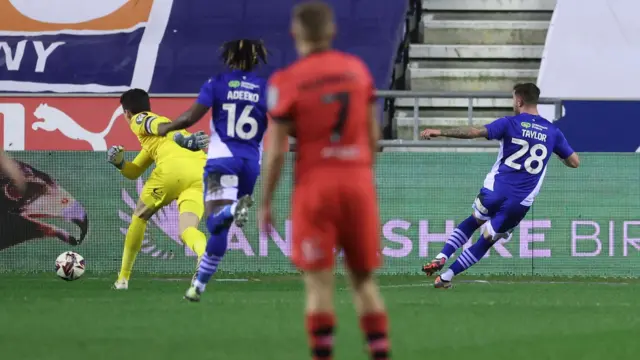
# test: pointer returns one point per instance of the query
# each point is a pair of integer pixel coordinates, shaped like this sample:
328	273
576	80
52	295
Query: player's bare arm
11	169
374	129
278	134
193	115
573	161
465	132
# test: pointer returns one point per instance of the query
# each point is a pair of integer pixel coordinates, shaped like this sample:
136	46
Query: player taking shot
526	143
177	176
237	100
327	99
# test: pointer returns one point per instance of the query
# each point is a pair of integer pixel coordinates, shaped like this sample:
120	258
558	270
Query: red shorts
332	211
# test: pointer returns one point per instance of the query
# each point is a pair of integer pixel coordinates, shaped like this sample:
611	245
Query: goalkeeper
177	176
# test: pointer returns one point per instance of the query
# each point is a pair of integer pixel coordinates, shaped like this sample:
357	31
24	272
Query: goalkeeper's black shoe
434	266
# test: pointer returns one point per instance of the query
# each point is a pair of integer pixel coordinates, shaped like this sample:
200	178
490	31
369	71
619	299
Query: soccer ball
69	266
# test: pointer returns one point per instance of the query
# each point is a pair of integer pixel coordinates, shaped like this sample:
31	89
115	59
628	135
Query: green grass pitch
507	318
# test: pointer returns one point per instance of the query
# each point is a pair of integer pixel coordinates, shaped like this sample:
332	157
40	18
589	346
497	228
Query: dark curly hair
244	54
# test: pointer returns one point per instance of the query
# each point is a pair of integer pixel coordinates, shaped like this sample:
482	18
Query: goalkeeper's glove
193	142
115	155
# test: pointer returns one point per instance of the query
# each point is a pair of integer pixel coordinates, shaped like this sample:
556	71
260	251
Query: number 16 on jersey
244	127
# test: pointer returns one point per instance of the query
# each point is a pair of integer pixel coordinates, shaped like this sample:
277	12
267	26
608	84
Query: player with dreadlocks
239	121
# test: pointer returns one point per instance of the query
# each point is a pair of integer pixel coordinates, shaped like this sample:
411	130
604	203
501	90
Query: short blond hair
315	17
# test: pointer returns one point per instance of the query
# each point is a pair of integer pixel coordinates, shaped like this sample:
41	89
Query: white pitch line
154	279
405	285
409	285
500	282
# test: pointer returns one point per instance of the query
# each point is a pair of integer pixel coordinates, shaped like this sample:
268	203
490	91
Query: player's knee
143	211
319	289
500	236
220	187
488	234
366	293
215	206
359	278
187	220
478	219
494	236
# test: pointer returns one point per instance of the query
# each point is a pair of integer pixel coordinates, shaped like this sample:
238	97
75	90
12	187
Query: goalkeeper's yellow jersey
145	126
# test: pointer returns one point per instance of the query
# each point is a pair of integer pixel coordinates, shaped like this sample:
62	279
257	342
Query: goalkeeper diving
177	176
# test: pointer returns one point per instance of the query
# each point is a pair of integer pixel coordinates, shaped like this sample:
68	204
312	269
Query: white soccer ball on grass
69	266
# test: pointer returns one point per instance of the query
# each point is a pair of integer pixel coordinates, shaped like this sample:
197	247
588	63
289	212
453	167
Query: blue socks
218	225
467	258
216	248
222	219
459	237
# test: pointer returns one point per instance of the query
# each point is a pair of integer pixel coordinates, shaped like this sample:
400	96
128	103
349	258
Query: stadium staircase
472	45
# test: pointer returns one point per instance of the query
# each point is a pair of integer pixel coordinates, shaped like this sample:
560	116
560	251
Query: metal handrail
452	94
439	143
416	95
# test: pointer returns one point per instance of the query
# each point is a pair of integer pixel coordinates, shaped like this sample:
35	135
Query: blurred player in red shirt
326	99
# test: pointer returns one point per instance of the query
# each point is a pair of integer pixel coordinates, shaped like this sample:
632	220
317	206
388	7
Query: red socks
320	328
375	327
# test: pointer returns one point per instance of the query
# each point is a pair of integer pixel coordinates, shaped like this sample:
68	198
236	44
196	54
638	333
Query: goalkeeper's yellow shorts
179	180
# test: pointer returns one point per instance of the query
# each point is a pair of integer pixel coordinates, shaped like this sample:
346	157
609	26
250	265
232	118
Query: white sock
441	255
447	275
200	286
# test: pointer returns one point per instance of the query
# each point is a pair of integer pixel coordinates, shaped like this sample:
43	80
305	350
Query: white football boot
241	213
121	285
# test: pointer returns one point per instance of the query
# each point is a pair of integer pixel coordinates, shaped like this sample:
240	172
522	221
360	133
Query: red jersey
327	95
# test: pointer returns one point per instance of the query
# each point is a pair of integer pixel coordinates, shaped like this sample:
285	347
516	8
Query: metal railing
454	143
470	96
416	95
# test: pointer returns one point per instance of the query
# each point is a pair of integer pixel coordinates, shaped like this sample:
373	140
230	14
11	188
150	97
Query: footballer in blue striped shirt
527	141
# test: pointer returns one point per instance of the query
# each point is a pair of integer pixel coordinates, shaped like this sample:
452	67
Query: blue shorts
229	178
502	213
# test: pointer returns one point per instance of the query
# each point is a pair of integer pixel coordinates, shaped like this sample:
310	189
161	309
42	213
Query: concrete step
484	32
424	51
439	122
489	16
490	103
488	113
441	149
488	5
525	64
468	79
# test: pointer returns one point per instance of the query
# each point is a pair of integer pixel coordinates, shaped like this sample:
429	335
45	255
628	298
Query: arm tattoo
188	118
465	132
184	121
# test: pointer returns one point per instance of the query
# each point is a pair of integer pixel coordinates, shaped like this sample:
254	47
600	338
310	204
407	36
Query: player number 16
236	127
